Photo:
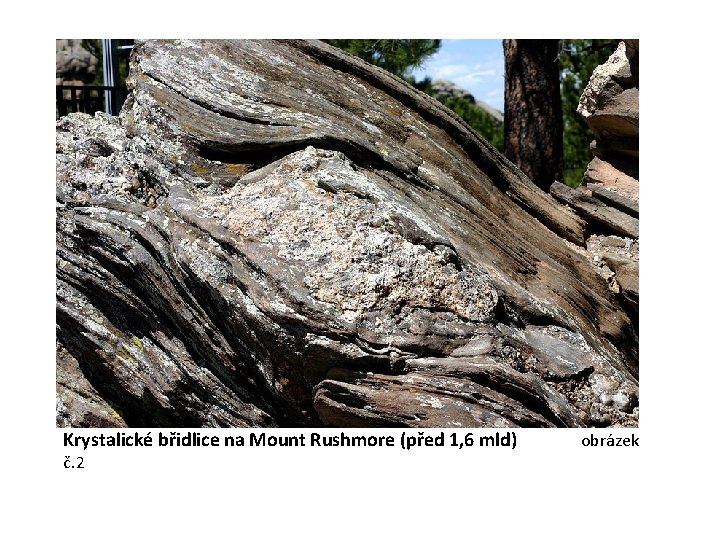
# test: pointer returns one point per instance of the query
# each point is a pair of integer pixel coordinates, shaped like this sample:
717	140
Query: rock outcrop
443	89
609	196
274	233
610	104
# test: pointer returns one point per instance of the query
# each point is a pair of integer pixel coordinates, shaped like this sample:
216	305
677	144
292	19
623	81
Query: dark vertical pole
60	100
74	99
86	106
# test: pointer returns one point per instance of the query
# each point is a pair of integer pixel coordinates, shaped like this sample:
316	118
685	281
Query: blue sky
475	64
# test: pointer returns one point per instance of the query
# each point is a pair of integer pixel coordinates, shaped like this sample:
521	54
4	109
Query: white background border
550	485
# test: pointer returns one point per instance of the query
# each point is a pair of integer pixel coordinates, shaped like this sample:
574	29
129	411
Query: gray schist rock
608	200
611	106
274	233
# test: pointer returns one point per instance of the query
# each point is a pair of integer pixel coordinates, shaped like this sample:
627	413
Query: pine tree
533	112
397	56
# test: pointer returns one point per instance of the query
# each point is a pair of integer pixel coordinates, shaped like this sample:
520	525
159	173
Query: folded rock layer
274	233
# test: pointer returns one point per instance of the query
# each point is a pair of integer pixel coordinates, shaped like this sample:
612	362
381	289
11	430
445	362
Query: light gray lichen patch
96	160
203	262
88	158
210	78
353	257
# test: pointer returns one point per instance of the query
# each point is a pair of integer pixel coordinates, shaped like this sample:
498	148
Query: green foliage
397	56
478	119
578	59
94	46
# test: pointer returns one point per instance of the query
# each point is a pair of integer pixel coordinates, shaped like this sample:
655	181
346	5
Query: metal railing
87	99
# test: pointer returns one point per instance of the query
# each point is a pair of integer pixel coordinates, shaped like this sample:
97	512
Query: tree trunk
533	114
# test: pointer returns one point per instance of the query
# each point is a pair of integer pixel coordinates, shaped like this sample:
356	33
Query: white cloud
475	76
474	65
447	71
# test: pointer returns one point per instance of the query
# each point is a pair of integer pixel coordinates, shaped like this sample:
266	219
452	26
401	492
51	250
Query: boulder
608	81
74	65
618	117
594	209
611	105
609	198
606	174
274	233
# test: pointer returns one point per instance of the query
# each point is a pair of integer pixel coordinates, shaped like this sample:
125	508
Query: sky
474	64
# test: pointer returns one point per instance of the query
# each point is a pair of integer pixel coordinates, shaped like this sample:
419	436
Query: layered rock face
611	106
274	233
609	196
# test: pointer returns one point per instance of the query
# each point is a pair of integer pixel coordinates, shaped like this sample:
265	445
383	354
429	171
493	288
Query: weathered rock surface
610	104
274	233
609	197
592	206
